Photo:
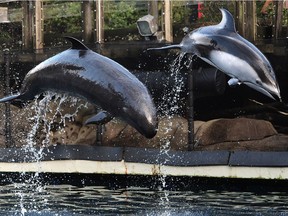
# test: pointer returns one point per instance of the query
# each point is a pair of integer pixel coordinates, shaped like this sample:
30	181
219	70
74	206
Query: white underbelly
231	65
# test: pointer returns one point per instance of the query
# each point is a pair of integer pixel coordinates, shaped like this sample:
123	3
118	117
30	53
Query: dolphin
81	72
222	47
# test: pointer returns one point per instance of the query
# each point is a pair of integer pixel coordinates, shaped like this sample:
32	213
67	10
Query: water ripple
23	199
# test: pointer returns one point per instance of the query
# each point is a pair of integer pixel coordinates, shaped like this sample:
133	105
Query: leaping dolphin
81	72
222	47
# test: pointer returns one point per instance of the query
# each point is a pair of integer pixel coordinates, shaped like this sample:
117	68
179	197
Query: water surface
36	198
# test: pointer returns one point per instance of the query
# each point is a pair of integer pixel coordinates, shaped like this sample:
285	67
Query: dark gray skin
101	81
222	47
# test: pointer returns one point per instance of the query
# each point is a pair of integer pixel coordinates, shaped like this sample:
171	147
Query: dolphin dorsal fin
227	21
76	44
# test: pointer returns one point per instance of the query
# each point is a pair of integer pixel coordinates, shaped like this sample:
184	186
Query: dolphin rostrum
81	72
222	47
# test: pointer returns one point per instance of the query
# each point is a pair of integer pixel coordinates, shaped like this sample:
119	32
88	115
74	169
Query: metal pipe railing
8	123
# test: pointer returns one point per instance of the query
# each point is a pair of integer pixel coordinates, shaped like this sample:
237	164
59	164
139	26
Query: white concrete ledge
131	168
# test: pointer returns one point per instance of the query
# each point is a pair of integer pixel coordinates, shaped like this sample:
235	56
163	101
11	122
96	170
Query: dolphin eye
258	82
213	43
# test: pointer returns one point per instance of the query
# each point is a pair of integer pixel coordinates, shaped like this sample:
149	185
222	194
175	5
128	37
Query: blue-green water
66	199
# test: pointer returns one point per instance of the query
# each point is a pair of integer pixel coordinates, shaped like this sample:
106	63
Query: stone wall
63	124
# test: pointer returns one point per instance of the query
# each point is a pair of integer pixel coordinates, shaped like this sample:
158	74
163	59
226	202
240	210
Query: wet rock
74	134
172	133
277	142
233	130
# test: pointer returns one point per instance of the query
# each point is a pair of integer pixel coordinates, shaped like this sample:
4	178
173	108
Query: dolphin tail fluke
176	46
9	98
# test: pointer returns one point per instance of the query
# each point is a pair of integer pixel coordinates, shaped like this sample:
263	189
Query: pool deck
85	159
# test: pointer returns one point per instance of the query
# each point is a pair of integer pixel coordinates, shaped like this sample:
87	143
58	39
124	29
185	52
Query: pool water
38	198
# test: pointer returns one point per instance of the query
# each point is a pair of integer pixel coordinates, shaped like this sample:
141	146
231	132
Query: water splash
170	107
45	110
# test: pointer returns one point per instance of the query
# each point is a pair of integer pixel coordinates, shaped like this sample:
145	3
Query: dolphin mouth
274	94
149	131
144	126
151	134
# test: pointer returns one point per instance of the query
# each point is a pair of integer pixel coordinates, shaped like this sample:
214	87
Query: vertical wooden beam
246	19
27	24
250	20
39	25
279	19
240	17
153	8
168	30
87	27
99	21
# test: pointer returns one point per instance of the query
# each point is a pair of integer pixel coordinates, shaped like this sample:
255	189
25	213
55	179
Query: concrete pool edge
84	159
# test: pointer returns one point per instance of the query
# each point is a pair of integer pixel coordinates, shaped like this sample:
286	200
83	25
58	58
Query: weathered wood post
87	14
278	19
27	23
246	19
39	25
168	30
153	8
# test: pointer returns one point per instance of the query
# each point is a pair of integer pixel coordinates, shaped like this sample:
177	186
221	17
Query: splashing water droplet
44	111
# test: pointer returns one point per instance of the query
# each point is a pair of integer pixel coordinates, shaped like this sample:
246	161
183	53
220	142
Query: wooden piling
168	21
27	23
99	21
153	8
39	25
87	14
278	19
246	19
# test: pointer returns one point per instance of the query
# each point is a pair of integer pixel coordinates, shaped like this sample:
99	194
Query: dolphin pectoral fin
100	118
177	46
233	82
9	98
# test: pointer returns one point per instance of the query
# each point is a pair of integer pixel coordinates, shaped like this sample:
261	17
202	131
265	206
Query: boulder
172	133
74	134
277	142
233	130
